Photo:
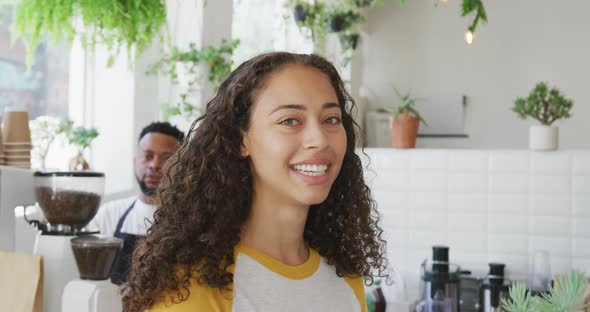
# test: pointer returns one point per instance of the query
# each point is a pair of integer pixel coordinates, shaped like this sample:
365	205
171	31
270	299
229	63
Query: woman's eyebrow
302	107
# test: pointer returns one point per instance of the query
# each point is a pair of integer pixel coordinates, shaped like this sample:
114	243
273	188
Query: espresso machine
439	283
69	201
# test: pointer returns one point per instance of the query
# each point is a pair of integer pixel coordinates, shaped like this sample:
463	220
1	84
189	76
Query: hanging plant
131	24
217	60
470	6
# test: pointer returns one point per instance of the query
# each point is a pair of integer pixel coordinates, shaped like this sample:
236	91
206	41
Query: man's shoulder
118	205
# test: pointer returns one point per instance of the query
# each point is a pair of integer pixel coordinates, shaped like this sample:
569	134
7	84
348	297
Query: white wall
420	46
486	205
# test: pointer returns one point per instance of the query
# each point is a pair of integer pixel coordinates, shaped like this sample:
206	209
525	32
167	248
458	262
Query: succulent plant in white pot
545	105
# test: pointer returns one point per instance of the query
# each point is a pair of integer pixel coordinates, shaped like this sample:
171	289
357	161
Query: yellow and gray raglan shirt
262	283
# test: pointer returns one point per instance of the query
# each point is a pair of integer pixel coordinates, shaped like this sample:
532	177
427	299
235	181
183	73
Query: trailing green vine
470	6
129	24
219	64
344	17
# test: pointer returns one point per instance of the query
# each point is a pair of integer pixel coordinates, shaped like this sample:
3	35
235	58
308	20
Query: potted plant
44	130
214	63
568	294
545	105
81	138
405	123
343	19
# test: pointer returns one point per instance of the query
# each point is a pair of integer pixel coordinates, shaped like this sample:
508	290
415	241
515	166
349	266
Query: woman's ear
245	146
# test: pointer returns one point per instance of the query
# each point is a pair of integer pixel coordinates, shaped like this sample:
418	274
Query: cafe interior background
479	179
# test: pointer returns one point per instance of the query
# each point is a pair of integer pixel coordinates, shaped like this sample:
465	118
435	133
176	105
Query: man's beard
148	191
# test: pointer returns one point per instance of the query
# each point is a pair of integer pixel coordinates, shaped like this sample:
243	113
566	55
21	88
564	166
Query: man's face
154	149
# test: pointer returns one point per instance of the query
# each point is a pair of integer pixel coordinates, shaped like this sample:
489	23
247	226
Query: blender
68	200
93	292
439	284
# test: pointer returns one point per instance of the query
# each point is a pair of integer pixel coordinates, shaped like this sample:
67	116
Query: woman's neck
277	230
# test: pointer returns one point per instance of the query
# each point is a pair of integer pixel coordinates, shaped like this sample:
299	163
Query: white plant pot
543	138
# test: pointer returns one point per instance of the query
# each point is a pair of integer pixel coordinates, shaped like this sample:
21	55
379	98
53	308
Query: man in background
129	218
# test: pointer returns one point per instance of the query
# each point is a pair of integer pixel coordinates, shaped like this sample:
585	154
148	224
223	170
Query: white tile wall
486	205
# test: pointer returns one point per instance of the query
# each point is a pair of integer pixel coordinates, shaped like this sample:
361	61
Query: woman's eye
333	121
289	122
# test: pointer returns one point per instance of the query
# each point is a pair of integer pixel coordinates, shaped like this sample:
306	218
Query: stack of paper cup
1	146
16	138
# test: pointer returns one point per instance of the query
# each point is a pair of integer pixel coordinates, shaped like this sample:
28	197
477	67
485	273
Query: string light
469	36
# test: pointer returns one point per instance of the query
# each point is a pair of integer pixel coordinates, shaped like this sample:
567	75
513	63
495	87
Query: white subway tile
560	265
388	159
581	204
581	264
581	163
397	258
468	182
467	242
467	202
581	247
509	161
468	222
394	219
387	199
581	184
507	224
420	239
476	262
428	221
551	204
512	244
582	227
428	201
558	246
395	238
509	183
429	159
551	164
393	179
461	161
428	181
550	225
513	204
543	184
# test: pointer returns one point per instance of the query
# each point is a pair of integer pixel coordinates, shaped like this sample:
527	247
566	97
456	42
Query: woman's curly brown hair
205	197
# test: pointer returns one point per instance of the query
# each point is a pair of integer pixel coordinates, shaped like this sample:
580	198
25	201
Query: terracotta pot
404	131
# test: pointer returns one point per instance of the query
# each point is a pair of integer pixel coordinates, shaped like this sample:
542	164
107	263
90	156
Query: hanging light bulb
443	1
469	36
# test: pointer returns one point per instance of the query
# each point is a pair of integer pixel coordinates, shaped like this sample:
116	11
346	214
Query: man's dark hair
163	128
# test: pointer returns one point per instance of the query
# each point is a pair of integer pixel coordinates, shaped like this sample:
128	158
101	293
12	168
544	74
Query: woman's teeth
311	170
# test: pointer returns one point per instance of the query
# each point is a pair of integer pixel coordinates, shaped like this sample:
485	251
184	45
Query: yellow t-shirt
262	283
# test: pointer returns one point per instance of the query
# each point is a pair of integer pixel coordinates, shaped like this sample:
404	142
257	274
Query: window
44	89
273	29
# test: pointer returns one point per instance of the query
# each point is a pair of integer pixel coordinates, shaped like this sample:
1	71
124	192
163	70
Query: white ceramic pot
543	138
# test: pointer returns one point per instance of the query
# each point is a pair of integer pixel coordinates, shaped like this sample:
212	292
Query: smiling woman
264	205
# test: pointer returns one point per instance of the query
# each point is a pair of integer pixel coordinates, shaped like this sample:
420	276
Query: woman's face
296	141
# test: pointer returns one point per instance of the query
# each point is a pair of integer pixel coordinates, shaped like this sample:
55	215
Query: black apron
122	265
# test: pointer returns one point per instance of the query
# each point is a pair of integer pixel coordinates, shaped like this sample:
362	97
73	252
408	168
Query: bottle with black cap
495	288
439	283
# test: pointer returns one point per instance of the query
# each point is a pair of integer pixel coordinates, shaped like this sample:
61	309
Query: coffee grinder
93	292
439	284
69	200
